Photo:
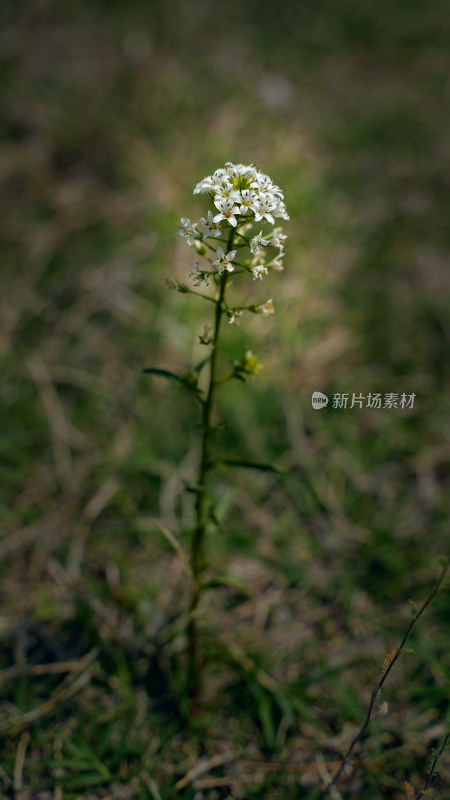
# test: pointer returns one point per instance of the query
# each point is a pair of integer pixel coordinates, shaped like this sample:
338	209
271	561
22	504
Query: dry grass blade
61	431
202	767
214	783
18	723
97	503
152	522
75	665
325	776
19	764
151	785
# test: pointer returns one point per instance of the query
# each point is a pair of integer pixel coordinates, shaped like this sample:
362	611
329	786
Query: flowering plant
243	196
231	245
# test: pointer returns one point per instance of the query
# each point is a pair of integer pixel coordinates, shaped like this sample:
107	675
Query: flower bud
200	247
249	364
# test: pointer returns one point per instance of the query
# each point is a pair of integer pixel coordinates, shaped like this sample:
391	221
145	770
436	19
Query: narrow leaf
249	464
265	712
189	380
224	580
198	368
86	779
164	373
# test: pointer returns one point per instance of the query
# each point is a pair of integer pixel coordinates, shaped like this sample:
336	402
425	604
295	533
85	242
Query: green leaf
76	764
188	380
198	368
265	712
217	522
224	580
413	607
164	373
88	779
284	703
104	741
193	488
83	752
249	464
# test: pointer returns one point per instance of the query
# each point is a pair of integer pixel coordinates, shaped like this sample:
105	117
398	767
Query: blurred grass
110	115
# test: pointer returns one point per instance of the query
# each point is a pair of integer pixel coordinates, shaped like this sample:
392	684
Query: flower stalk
198	537
228	242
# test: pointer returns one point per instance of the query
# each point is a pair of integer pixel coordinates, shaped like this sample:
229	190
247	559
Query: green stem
198	537
225	378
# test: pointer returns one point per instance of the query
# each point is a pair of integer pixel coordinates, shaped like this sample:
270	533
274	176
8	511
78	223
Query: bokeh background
111	112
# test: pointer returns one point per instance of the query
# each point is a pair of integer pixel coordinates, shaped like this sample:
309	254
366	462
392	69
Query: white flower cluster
237	189
243	197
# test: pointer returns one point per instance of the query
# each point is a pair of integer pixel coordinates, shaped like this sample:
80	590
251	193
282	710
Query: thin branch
377	690
199	294
225	378
424	791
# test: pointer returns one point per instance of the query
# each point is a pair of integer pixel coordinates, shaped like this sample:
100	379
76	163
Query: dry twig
388	665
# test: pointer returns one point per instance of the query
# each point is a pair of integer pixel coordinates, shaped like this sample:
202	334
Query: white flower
223	262
263	208
203	186
210	183
225	191
257	244
210	229
267	308
251	191
227	210
277	264
234	317
281	211
276	190
247	200
259	271
188	230
262	182
278	238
